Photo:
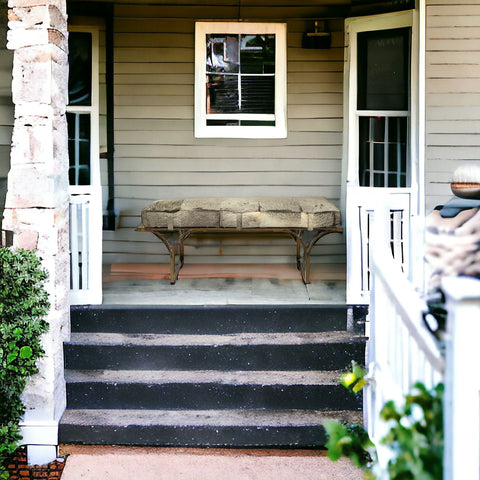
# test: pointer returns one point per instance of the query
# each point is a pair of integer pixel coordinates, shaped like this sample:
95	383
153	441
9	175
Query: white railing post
462	379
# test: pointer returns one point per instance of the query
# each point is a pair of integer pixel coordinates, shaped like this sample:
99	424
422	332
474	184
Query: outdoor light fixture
320	38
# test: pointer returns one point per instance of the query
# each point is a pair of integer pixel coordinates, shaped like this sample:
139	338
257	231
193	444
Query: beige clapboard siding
157	155
452	93
167	165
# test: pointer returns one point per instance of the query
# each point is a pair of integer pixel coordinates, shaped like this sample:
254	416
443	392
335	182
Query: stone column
36	207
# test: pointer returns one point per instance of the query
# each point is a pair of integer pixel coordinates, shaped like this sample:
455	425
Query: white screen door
379	155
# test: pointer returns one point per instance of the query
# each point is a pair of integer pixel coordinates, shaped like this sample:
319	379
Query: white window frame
202	130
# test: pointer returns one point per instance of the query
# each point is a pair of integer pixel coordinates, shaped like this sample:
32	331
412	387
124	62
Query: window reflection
80	68
240	74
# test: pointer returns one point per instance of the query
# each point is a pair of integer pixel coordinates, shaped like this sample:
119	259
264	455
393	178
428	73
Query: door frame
353	26
86	200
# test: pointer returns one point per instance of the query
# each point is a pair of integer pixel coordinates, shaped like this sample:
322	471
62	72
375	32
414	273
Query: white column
36	207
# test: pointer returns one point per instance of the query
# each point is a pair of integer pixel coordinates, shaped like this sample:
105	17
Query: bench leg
175	248
303	261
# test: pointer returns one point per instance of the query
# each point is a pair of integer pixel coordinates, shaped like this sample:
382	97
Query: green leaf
11	357
26	352
357	370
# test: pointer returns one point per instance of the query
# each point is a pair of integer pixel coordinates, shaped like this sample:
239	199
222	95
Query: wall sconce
320	38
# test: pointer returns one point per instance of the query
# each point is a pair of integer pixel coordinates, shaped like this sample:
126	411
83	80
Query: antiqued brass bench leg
303	262
175	249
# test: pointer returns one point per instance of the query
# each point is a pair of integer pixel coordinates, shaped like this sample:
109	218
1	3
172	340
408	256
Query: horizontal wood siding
157	156
452	93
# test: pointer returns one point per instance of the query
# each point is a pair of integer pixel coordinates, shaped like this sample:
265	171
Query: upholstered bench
306	220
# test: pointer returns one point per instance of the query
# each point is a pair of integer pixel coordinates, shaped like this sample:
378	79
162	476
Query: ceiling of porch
258	9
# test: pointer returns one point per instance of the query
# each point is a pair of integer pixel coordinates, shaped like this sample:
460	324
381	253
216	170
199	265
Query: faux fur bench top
307	213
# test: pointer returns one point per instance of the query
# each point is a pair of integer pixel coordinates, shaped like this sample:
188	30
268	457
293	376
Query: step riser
210	396
180	436
328	356
209	320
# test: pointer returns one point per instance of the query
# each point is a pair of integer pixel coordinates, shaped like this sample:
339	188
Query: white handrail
401	350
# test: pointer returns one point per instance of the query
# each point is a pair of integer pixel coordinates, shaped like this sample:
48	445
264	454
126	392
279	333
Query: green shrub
415	436
23	307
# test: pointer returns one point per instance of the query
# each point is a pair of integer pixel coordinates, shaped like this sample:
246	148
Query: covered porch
136	140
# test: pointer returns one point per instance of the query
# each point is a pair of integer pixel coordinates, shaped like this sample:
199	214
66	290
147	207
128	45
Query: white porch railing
401	350
85	247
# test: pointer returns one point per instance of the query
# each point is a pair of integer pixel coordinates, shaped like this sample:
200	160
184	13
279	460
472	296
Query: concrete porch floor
223	284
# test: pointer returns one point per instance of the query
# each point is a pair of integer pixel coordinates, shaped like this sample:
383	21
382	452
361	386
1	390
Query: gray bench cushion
308	213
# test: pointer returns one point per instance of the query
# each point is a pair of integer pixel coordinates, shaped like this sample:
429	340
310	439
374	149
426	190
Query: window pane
79	148
222	53
240	74
80	65
257	54
258	94
383	69
222	94
246	123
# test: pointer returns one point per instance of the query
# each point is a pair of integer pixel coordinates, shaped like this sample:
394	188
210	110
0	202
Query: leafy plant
414	438
351	441
416	435
23	307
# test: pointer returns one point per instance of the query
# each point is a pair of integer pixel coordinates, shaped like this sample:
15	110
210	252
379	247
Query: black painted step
213	319
197	428
238	352
225	376
205	390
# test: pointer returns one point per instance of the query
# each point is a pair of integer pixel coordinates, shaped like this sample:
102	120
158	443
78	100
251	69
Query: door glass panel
80	68
383	69
79	148
383	152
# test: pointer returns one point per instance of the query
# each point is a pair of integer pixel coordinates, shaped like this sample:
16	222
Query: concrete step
207	428
279	351
227	376
212	319
208	390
